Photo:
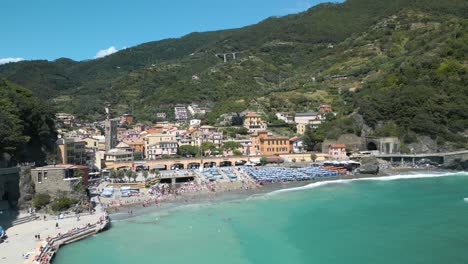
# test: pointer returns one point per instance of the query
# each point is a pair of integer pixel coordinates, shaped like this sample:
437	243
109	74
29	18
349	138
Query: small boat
2	234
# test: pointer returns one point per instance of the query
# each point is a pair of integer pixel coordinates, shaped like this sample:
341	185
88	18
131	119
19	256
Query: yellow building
253	122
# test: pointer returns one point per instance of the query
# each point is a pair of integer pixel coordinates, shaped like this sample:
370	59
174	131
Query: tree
242	131
308	139
294	160
231	145
263	161
134	175
313	157
129	174
145	175
40	200
113	174
188	151
63	203
157	172
120	175
27	127
237	152
79	185
138	156
208	146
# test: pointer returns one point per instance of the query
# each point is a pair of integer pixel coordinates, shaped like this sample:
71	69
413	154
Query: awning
158	167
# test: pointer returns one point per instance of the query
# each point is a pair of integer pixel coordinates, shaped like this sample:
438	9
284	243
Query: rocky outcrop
26	187
457	165
369	165
426	144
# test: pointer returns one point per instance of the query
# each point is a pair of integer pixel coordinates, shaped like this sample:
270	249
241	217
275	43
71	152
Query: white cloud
105	52
8	60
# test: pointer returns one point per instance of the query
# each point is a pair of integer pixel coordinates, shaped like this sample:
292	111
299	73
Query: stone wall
352	142
26	187
54	184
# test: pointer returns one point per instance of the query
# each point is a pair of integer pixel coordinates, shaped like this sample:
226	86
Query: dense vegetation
27	131
402	65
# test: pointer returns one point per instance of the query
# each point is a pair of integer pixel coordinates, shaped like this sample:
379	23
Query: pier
50	246
442	158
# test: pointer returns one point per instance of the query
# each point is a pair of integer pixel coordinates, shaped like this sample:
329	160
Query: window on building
39	177
45	175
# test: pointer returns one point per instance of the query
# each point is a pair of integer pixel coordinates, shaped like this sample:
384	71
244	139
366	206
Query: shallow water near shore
387	220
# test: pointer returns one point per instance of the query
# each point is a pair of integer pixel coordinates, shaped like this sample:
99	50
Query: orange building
265	144
137	146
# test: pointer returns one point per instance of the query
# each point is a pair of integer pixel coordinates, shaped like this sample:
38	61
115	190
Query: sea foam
381	178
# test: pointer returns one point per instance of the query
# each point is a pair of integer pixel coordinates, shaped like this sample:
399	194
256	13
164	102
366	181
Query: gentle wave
381	178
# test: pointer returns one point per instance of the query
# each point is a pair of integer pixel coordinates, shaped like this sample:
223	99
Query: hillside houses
163	139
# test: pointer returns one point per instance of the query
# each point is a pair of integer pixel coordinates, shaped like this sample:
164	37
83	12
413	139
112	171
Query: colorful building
265	144
337	152
304	120
126	119
168	148
253	122
71	151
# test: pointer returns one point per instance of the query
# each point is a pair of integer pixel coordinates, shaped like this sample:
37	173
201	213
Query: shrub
63	203
40	200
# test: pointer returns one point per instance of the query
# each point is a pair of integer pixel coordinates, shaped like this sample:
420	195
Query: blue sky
79	29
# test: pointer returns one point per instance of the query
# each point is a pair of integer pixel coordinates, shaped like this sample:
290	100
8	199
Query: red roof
294	138
251	114
337	146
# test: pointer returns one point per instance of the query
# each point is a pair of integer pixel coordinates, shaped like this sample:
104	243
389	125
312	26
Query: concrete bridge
187	163
224	56
443	158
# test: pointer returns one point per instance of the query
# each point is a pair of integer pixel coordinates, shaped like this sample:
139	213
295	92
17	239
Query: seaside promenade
21	238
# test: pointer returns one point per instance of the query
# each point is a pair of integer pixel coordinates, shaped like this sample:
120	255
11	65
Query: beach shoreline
122	211
239	194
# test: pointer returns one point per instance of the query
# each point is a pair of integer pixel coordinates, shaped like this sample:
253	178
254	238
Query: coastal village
321	132
104	166
109	165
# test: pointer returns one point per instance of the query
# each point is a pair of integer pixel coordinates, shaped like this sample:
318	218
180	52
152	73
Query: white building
285	117
195	122
117	155
180	112
304	120
159	149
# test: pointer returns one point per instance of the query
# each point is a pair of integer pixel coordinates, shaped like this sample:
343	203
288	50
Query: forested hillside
27	130
400	65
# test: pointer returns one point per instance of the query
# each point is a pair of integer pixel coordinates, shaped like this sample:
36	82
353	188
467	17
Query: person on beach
57	225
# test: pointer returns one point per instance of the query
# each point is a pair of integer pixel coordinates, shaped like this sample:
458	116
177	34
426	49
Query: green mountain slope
27	130
285	64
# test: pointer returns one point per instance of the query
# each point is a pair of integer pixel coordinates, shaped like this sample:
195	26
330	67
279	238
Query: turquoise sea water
422	220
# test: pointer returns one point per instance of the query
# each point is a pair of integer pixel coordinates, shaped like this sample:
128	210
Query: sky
88	29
